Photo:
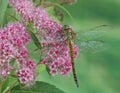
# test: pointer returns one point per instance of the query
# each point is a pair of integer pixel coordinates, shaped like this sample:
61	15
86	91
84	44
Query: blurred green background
97	72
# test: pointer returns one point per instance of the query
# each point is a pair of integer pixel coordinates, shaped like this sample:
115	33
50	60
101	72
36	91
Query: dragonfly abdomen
72	62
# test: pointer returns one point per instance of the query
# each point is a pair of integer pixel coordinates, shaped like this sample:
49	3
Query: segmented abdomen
71	45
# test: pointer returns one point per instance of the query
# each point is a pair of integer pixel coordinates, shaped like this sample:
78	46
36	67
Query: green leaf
51	12
34	37
7	18
40	68
5	84
1	84
40	87
3	7
13	17
67	12
35	40
8	84
48	70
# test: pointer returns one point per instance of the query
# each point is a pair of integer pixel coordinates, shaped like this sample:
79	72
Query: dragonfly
87	40
71	35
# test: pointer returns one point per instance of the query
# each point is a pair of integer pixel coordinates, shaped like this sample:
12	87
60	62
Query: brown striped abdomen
71	44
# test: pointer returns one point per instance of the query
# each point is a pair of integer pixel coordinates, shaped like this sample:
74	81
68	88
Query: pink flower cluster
13	41
56	50
29	12
58	56
23	7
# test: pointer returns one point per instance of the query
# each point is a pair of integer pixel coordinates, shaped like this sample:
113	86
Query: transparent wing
92	40
92	46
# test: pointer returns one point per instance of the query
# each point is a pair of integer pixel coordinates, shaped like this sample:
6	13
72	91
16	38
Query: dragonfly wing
92	34
92	40
92	46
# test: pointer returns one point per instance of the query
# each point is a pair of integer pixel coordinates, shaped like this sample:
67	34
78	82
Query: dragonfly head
66	27
68	31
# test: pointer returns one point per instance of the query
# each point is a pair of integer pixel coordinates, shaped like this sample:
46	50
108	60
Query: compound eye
66	27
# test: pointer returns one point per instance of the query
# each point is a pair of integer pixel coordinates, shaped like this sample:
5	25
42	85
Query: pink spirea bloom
13	41
56	50
40	17
23	7
57	54
26	76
